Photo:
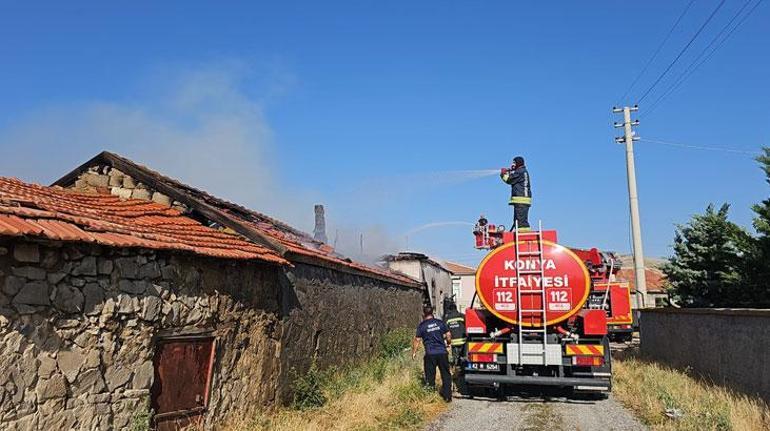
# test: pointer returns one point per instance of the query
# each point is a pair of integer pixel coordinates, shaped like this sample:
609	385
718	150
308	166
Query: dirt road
541	413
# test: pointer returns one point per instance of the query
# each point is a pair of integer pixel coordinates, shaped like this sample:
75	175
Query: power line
691	70
692	39
698	147
657	51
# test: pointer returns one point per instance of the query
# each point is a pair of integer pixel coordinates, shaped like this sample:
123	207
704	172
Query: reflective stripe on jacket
521	188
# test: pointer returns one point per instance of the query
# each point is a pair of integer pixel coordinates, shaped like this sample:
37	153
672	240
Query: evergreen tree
710	262
760	267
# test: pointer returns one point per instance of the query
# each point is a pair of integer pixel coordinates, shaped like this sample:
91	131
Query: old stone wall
729	347
78	325
334	318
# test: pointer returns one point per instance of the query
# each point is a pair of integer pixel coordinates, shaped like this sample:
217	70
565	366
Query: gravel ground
537	413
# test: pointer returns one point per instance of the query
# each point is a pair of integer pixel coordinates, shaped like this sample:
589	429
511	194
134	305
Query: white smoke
202	127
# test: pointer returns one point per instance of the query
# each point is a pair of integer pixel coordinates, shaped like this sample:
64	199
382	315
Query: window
456	288
180	392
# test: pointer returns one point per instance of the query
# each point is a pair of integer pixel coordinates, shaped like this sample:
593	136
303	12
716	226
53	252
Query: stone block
87	266
162	199
12	285
142	194
129	182
89	381
116	180
117	377
127	267
143	376
121	192
149	271
93	298
105	266
68	299
124	305
50	259
29	272
55	387
28	253
135	287
69	362
56	277
96	180
33	293
151	308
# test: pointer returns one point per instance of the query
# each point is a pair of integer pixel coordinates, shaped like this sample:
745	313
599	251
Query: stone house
112	307
436	279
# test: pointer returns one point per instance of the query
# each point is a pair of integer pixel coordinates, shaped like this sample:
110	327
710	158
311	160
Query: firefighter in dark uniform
521	192
456	322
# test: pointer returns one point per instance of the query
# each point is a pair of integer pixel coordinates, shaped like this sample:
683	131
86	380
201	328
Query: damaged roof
261	229
63	215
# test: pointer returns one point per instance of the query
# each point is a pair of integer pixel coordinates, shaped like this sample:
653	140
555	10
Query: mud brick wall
728	346
77	328
334	318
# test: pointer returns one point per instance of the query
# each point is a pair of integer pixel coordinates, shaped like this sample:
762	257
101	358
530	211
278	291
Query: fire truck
541	314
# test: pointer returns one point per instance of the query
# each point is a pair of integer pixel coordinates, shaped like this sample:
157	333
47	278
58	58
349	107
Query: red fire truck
543	314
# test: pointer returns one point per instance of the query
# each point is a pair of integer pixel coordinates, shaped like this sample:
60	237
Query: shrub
395	342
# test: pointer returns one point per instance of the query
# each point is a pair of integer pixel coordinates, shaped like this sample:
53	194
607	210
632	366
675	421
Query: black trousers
521	215
430	362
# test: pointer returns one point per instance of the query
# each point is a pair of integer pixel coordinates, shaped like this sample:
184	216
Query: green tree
760	265
710	262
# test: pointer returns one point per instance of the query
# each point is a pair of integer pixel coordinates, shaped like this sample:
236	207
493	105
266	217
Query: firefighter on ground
456	323
521	191
435	337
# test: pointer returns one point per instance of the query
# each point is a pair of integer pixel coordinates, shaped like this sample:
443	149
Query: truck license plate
482	366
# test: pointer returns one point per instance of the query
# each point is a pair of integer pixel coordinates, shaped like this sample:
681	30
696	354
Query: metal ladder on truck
537	236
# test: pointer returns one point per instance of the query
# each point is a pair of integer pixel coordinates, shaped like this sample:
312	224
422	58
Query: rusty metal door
180	392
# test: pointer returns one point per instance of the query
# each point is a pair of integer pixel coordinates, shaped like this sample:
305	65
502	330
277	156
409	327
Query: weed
140	421
395	342
308	389
649	389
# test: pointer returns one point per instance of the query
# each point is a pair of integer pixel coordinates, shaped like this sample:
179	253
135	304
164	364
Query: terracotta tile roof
58	214
459	269
292	243
656	280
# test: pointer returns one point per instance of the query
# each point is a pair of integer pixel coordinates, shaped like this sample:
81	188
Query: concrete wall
437	279
729	346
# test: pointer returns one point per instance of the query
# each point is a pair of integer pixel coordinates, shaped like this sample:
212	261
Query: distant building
656	295
436	278
463	284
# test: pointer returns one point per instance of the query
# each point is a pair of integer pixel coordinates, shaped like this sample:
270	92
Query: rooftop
290	243
459	269
63	215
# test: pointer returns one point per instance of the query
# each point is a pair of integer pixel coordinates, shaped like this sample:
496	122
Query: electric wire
698	147
687	46
657	51
690	69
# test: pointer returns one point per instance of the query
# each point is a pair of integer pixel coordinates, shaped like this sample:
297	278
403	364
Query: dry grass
649	389
379	395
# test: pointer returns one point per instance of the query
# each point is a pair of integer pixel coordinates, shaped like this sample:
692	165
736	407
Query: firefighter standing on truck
521	192
456	323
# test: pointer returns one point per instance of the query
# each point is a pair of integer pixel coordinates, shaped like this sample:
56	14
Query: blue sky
372	107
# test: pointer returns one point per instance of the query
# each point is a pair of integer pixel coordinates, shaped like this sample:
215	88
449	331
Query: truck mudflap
603	383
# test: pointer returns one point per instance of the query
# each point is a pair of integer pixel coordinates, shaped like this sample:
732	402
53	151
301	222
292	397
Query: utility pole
633	199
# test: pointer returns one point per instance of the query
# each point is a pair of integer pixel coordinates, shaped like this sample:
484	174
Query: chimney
319	233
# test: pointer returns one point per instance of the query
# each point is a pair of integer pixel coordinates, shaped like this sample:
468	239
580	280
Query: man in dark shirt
435	337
